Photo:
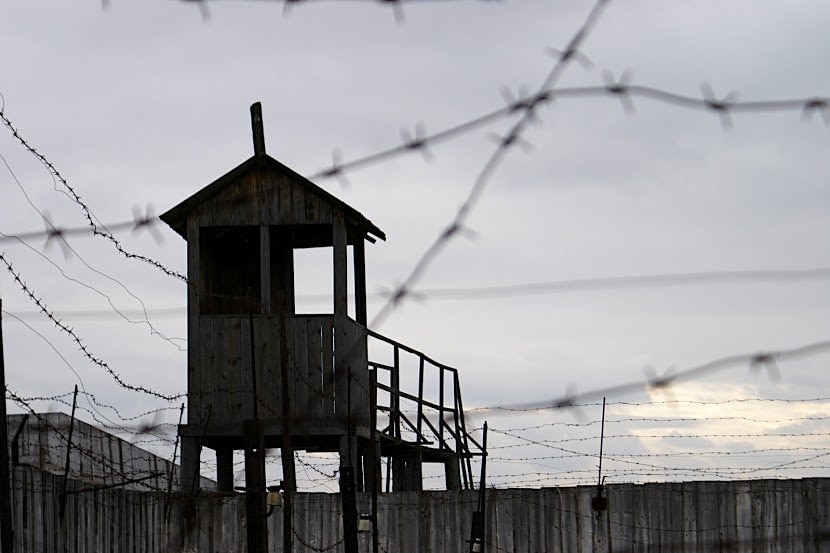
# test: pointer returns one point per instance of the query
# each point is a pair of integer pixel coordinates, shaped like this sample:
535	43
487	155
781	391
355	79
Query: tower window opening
230	270
313	281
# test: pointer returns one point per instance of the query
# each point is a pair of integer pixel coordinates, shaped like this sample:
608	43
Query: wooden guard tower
258	374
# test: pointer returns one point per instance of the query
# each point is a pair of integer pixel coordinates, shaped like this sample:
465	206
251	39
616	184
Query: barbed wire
63	398
311	546
135	429
315	468
709	402
807	106
143	312
107	463
665	420
94	404
763	455
671	402
666	436
520	289
527	114
54	232
287	5
755	361
721	471
622	282
57	235
588	477
94	224
776	451
527	108
75	338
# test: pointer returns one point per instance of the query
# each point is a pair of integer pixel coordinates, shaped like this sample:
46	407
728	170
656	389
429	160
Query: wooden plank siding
265	197
298	372
763	516
322	352
314	352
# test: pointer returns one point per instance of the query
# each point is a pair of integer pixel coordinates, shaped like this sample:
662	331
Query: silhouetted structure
252	357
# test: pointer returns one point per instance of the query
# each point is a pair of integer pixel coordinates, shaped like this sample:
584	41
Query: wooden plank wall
96	457
266	198
318	383
105	520
356	358
761	516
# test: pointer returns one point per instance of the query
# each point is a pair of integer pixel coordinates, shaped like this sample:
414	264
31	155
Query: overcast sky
147	102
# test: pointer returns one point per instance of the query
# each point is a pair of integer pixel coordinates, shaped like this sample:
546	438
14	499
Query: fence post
172	473
477	530
6	539
68	452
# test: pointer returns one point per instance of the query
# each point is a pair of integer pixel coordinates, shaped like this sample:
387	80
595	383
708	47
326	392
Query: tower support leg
452	474
348	460
191	452
224	469
255	486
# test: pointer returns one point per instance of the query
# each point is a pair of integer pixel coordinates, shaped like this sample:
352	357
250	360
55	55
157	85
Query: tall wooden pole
6	531
348	496
375	453
254	442
287	453
255	485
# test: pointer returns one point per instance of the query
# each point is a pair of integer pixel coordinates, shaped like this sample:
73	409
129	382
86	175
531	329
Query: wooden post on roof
258	130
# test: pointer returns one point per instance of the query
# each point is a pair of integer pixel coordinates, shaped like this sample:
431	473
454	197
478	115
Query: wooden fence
761	516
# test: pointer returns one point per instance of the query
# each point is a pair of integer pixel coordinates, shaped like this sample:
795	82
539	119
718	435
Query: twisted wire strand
75	338
97	228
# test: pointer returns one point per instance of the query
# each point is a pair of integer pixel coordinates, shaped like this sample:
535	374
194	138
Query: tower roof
274	194
263	191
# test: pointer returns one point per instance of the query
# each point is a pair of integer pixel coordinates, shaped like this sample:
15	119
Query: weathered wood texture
763	516
325	353
265	197
97	458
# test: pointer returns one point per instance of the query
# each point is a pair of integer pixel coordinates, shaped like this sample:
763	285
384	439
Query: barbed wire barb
54	234
620	88
722	107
